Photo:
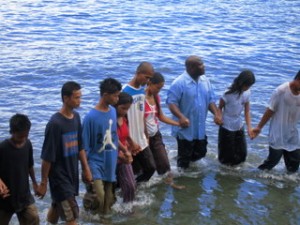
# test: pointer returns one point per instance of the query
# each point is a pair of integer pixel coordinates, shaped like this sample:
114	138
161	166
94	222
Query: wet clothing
192	98
291	159
233	110
283	133
159	153
232	146
61	148
190	151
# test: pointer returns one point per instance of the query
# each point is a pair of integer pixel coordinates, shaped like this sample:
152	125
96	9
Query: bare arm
42	188
87	175
32	176
183	121
248	120
217	113
167	120
133	147
265	118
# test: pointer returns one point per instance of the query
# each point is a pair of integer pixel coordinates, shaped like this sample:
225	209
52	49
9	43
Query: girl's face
245	88
123	109
155	88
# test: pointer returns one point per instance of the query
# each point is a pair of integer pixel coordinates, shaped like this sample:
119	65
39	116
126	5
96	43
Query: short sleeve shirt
100	141
61	147
14	172
234	106
283	132
193	99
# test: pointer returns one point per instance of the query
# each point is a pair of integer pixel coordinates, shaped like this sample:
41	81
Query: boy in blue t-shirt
100	142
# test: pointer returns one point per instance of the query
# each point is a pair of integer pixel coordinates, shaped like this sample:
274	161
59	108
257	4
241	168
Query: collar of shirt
191	80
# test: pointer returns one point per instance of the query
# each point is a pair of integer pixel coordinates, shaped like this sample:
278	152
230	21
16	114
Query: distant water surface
46	43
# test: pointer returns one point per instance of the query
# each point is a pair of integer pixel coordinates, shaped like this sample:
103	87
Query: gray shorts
67	210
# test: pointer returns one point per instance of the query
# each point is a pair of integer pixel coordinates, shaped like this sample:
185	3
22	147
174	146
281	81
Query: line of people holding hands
119	143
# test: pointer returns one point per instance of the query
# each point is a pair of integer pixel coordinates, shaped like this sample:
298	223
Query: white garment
283	133
135	115
151	118
232	112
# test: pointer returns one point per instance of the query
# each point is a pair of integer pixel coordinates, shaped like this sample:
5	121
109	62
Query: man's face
74	100
196	68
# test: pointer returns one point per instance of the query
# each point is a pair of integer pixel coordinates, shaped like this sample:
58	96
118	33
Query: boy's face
112	99
74	100
19	138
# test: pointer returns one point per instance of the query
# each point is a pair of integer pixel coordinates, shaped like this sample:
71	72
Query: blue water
45	43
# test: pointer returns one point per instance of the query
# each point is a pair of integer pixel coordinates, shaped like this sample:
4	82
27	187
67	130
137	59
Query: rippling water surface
45	43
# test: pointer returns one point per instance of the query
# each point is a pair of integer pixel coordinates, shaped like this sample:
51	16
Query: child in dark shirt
16	163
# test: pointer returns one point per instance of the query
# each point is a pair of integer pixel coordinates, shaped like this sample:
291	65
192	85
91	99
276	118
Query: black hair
68	88
245	78
19	123
297	77
109	86
157	79
144	67
124	98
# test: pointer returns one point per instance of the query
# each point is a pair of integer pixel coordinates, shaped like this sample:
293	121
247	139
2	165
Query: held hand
41	190
35	188
218	120
134	148
128	157
87	176
4	191
250	133
255	132
184	122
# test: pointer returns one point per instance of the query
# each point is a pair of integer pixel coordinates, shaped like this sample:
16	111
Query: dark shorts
159	153
291	159
232	146
29	215
143	165
67	210
190	151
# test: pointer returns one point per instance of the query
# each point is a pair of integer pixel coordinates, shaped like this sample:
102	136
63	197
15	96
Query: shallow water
45	43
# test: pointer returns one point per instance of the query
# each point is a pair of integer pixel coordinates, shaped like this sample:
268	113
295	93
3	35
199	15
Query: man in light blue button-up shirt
189	98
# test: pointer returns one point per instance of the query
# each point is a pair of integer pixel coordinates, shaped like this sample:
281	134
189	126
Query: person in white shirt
232	146
143	162
284	112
